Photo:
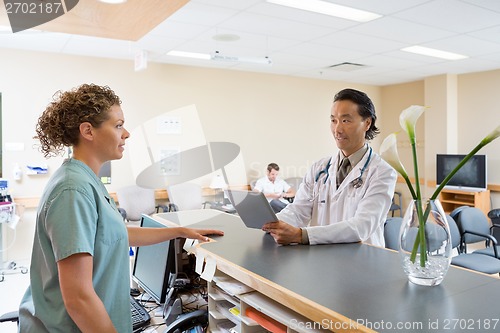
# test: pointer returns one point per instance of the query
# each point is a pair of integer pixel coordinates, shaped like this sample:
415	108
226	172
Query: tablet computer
252	207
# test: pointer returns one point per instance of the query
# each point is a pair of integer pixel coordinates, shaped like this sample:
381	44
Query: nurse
80	261
343	198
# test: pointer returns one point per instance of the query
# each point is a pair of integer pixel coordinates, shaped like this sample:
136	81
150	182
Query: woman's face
111	135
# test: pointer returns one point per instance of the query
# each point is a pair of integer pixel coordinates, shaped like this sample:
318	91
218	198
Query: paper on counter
189	245
209	272
200	260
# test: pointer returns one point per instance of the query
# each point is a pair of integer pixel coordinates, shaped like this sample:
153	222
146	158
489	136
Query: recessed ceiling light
427	51
328	8
226	37
194	55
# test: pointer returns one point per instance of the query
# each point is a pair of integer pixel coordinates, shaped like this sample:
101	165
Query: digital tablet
252	207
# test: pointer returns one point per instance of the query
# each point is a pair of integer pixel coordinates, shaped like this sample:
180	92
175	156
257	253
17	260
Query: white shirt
266	186
346	214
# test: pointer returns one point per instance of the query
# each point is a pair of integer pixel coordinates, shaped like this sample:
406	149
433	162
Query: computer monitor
155	265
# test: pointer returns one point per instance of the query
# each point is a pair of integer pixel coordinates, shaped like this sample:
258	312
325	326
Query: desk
346	284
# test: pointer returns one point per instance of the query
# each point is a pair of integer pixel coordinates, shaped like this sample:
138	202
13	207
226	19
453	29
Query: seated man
275	189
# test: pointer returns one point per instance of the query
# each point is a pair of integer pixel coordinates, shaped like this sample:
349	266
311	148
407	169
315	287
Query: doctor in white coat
327	209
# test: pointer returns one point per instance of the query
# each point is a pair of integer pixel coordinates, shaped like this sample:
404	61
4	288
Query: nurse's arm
148	236
283	233
80	299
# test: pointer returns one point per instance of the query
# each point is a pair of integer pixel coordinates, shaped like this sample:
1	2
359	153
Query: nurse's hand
283	233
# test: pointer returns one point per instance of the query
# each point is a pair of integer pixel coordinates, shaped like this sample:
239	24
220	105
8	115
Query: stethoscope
356	183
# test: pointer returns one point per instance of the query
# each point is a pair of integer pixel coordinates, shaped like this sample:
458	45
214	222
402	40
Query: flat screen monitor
155	264
472	176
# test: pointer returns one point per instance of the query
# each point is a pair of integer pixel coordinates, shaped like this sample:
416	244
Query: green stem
410	186
415	168
420	239
454	171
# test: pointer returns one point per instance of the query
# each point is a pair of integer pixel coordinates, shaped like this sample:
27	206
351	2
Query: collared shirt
353	158
266	186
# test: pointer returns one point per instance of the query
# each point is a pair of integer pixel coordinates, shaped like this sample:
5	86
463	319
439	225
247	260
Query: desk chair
185	196
135	201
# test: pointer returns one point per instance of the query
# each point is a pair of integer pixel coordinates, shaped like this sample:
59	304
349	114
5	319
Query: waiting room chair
294	182
396	204
392	227
134	201
494	216
10	317
185	196
470	219
474	224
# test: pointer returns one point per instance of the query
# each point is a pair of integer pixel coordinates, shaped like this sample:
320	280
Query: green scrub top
76	215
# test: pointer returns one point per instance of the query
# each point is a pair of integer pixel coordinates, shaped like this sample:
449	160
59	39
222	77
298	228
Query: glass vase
425	243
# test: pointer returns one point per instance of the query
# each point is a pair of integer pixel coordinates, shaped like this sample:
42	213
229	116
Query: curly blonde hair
59	125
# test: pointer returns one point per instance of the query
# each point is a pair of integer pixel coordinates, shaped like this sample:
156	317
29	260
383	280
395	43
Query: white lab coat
346	214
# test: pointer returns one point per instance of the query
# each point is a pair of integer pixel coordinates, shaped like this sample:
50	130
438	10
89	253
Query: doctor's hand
283	233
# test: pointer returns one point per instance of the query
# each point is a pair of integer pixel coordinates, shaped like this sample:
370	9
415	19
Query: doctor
330	209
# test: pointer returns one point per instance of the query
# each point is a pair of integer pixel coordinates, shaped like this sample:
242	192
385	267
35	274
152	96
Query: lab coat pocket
352	198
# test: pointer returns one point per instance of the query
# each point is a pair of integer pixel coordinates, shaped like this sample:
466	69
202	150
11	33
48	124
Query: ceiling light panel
327	8
192	55
433	52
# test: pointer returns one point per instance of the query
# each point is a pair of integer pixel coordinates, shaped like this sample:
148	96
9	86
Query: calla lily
389	152
408	119
492	136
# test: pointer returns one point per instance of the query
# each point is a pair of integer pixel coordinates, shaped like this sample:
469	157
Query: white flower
492	136
408	119
389	152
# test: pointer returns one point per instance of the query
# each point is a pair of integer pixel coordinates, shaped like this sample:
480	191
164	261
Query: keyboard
140	316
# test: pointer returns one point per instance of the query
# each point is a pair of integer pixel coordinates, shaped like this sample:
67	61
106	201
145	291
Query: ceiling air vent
346	67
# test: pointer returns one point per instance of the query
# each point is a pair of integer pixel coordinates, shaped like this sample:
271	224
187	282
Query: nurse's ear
86	131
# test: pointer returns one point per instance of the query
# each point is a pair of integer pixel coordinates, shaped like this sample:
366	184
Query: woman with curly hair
80	263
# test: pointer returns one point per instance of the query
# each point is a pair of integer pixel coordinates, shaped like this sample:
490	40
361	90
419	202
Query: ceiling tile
304	44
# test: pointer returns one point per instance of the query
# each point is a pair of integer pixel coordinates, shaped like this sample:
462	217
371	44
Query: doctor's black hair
365	108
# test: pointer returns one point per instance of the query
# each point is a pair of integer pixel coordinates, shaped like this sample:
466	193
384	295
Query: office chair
392	228
185	196
396	205
135	201
474	261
